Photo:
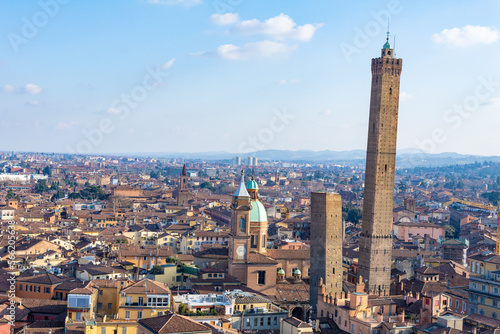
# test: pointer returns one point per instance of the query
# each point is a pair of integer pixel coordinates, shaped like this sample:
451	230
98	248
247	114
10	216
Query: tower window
386	168
390	90
389	53
243	224
253	242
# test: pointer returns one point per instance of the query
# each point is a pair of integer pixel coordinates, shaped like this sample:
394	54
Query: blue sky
240	75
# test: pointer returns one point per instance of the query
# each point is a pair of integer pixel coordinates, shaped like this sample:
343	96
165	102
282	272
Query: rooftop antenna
388	34
394	46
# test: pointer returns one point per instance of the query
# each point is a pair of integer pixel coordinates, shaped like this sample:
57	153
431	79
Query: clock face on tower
240	251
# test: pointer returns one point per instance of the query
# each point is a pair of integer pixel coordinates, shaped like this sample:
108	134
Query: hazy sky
240	75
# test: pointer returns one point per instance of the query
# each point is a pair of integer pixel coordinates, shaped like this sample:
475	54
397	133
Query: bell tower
239	237
182	190
375	246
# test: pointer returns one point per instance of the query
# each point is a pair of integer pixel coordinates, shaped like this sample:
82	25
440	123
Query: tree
450	231
118	202
493	197
41	187
182	308
46	171
10	194
55	186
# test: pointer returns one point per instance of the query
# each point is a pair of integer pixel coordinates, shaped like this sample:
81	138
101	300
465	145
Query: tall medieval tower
326	245
375	246
239	237
182	190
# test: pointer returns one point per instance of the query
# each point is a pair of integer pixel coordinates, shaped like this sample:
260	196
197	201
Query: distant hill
405	158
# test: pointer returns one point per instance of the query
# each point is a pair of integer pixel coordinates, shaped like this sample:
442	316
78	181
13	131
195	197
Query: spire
184	173
242	190
387	45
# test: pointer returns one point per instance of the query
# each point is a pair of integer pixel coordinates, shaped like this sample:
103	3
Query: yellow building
108	295
144	299
484	285
111	327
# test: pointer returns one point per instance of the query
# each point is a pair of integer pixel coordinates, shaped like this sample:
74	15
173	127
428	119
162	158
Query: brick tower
326	244
375	246
239	237
182	190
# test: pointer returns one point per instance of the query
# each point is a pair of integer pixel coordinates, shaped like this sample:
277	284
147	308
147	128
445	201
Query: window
78	301
141	301
103	330
261	322
464	306
481	312
100	292
495	303
127	315
99	306
255	322
275	320
261	277
124	330
269	321
243	224
110	305
158	301
46	290
456	304
139	315
78	316
37	288
20	287
494	315
481	300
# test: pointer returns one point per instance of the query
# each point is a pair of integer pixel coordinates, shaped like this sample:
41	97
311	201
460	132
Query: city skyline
240	77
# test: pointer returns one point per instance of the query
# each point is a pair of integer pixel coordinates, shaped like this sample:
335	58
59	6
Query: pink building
405	231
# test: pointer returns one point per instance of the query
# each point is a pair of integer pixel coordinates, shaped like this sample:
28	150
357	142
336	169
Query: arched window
243	224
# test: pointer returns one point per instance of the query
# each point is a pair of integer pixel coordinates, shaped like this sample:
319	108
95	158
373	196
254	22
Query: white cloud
466	36
224	19
405	96
34	103
261	49
281	27
187	3
8	88
65	125
290	81
32	89
168	64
